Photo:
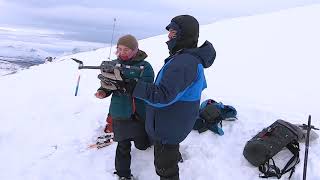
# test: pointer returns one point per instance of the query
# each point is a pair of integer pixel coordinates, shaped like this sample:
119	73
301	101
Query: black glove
128	86
122	87
109	80
116	83
108	83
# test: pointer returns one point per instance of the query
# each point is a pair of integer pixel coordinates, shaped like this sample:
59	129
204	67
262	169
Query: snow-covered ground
266	67
34	45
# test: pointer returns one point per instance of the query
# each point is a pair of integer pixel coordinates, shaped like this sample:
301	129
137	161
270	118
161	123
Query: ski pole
78	82
306	149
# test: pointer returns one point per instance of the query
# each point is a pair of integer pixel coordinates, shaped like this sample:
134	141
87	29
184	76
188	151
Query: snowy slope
266	67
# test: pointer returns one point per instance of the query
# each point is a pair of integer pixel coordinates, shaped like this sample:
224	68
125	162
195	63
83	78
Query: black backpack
267	143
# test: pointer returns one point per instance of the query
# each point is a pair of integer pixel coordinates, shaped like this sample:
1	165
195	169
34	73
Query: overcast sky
92	20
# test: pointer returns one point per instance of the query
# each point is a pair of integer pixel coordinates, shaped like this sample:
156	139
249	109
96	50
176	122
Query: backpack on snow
211	114
267	143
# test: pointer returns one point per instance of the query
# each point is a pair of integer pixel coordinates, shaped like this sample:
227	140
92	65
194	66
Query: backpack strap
271	170
294	149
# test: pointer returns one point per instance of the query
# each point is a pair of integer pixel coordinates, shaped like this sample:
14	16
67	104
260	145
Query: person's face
124	52
172	34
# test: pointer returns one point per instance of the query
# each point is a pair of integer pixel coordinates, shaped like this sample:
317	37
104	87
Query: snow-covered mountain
21	48
266	67
15	58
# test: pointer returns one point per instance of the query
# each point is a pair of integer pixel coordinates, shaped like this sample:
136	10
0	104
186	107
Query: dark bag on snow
267	143
211	113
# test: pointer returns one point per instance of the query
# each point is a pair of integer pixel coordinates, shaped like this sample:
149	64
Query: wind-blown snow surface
266	67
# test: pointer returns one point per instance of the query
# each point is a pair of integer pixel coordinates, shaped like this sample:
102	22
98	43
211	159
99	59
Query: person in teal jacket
128	114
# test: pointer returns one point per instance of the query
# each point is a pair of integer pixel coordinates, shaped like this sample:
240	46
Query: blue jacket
174	98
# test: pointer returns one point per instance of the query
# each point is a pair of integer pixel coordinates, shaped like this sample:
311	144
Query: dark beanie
128	41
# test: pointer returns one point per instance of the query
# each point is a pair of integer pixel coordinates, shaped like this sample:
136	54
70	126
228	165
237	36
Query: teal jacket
121	106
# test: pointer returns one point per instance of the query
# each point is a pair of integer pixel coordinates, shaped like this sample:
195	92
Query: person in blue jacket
174	97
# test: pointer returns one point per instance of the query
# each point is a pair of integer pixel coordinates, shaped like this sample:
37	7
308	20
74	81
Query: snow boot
170	178
127	178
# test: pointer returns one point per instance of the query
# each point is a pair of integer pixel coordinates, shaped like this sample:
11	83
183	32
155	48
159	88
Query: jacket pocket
120	107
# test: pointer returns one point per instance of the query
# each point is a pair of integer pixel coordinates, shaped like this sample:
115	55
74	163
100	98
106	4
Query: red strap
133	105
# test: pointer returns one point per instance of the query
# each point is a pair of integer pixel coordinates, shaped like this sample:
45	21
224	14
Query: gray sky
92	20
